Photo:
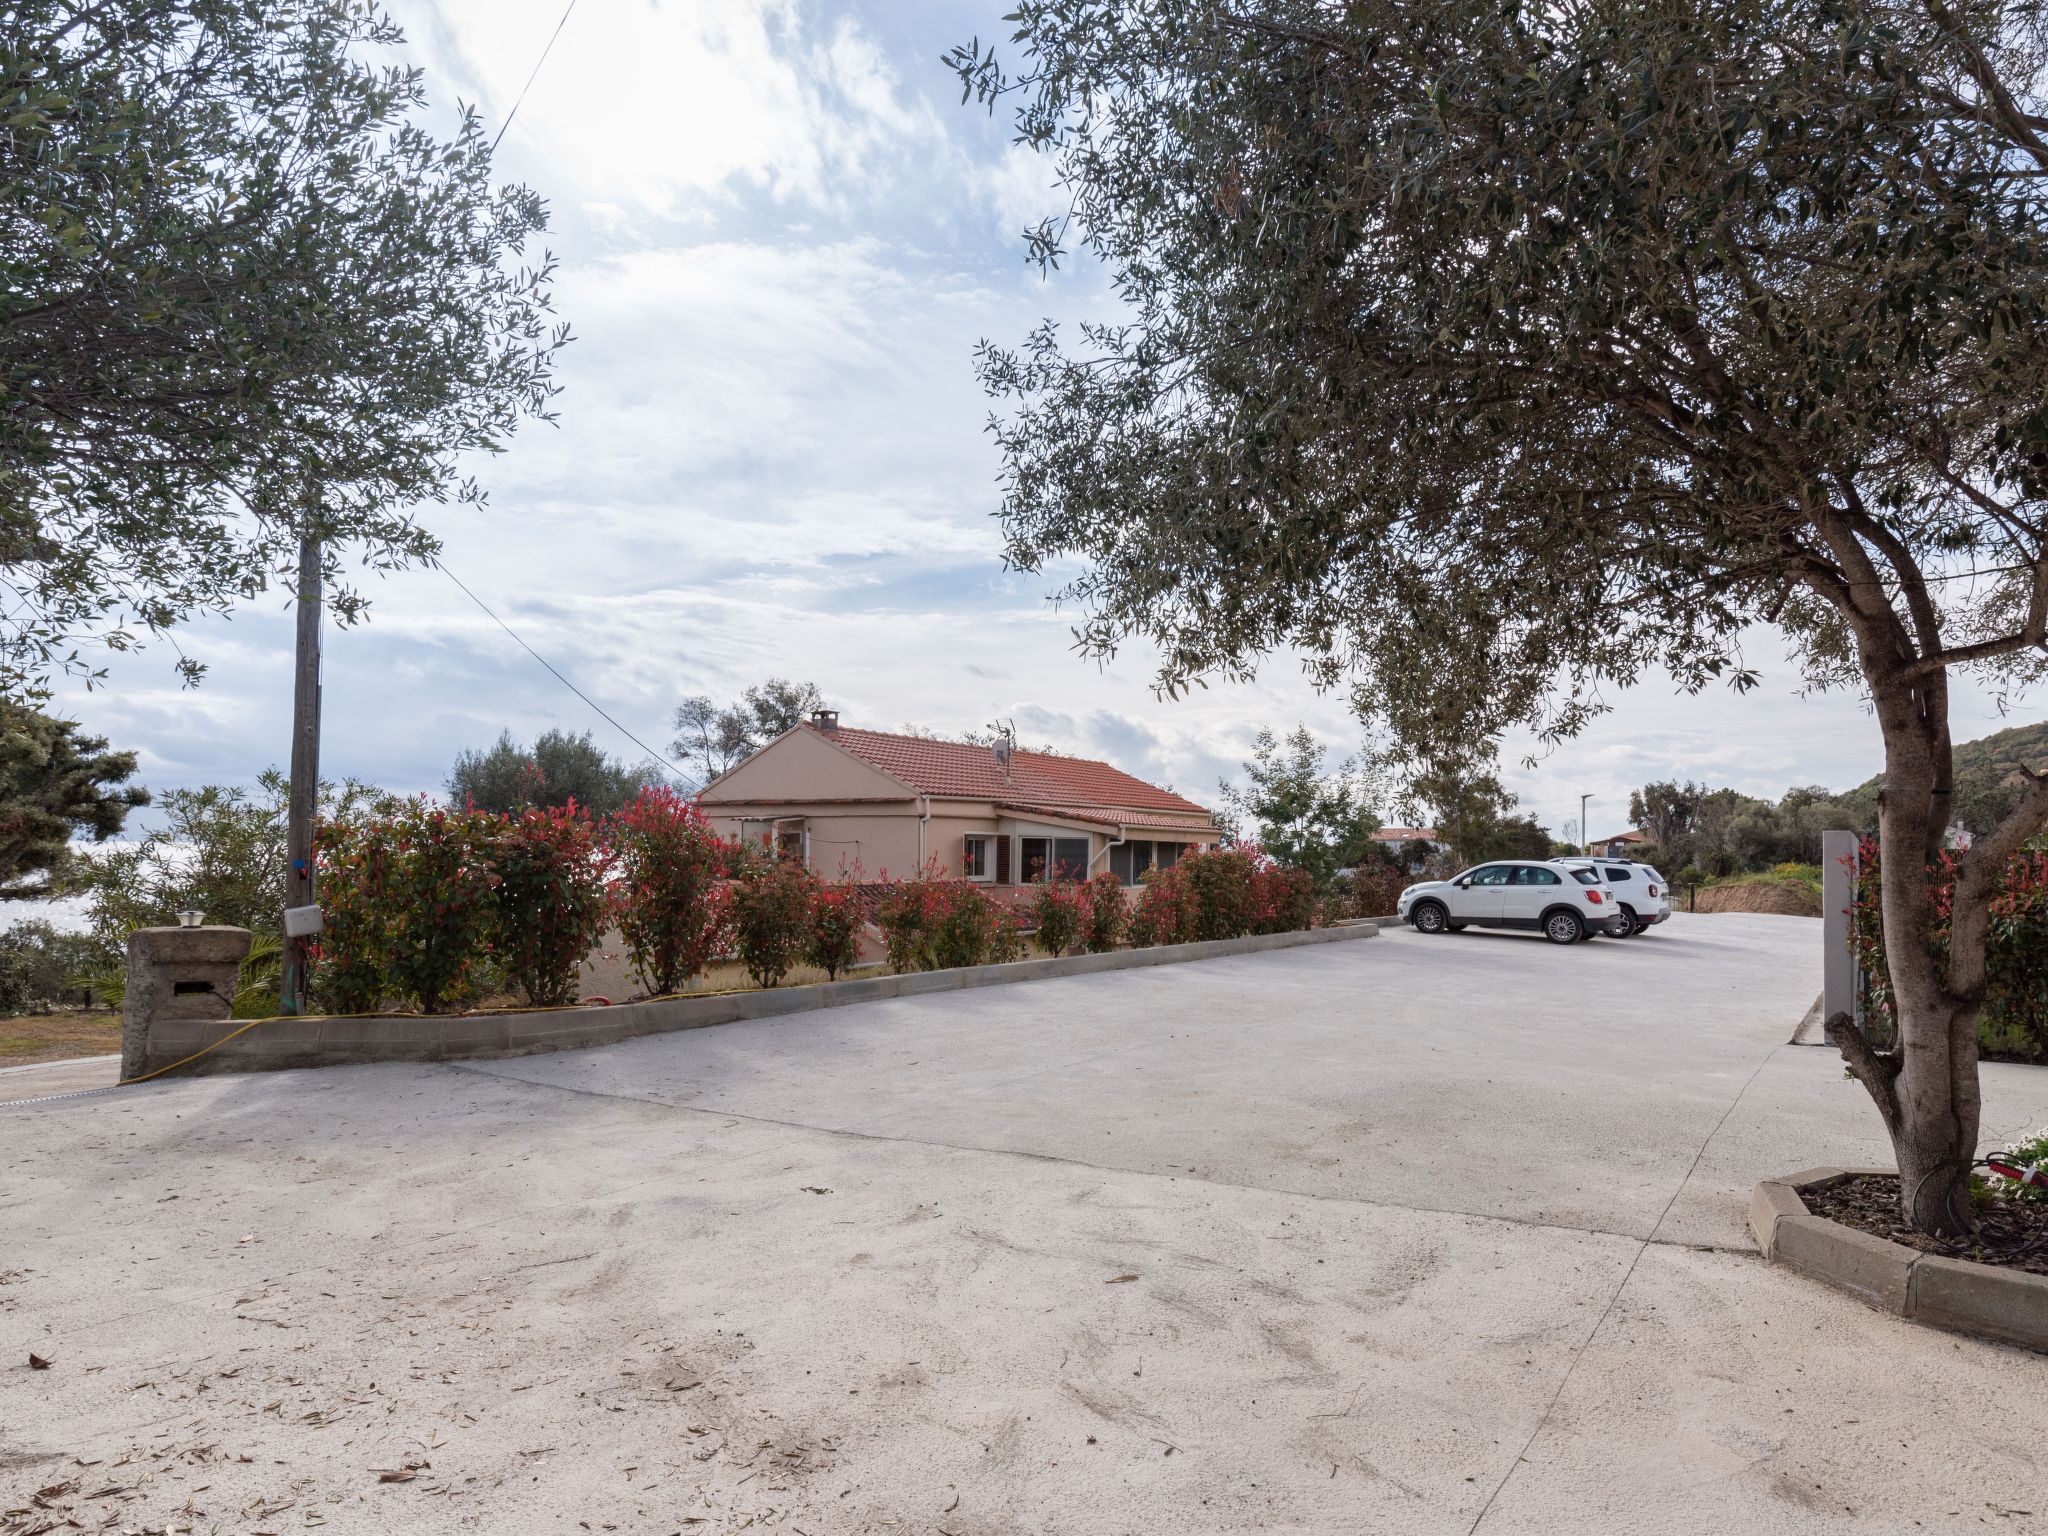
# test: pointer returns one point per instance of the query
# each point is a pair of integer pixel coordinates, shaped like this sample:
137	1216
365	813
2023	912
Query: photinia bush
1164	913
2015	1017
906	911
550	905
1282	899
437	892
669	865
833	939
935	923
1376	890
1058	908
769	911
1105	914
351	962
1218	882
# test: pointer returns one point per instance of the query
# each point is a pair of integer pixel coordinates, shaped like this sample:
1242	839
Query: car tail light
1653	890
1593	897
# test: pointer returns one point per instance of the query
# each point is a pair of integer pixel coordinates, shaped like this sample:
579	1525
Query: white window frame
988	857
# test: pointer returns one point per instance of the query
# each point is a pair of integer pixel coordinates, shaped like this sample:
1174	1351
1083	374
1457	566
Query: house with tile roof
842	799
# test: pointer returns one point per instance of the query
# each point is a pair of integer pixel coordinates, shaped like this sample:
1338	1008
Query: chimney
825	720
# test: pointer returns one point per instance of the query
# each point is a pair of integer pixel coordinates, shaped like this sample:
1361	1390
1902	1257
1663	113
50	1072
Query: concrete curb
1983	1300
343	1041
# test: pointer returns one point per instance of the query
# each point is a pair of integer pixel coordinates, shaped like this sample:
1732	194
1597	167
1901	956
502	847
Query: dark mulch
2012	1233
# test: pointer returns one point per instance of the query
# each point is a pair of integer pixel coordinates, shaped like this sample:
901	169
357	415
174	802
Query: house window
1128	861
1054	858
1166	855
789	843
978	859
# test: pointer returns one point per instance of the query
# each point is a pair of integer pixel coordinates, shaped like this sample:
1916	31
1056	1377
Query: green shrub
1058	907
970	929
1283	900
669	866
1105	914
550	903
833	940
769	912
1220	892
1164	913
352	960
1376	890
935	923
438	888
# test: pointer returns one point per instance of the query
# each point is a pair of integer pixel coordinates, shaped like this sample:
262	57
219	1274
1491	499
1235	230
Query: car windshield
1586	876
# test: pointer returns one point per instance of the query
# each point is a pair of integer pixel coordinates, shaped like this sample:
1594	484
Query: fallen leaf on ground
1120	1280
394	1474
36	1362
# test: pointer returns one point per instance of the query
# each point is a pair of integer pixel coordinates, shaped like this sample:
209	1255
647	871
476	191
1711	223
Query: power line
586	698
520	99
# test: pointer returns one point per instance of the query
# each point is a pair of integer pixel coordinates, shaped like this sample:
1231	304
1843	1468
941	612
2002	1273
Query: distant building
1622	844
1418	841
839	798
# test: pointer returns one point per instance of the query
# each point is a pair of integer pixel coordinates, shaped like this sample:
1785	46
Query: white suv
1644	895
1564	905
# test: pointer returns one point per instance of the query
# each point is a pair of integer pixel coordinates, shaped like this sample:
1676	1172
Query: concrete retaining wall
327	1042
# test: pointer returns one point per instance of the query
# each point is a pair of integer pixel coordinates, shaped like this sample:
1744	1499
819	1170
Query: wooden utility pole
305	789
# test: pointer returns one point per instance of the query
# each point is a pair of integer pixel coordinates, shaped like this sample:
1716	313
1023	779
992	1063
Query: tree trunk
1927	1091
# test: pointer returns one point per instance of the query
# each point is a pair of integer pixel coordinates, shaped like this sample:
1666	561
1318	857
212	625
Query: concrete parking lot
1409	1235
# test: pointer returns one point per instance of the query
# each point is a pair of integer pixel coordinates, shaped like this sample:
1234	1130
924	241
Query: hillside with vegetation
1988	781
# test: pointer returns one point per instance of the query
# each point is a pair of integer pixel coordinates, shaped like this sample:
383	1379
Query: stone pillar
177	973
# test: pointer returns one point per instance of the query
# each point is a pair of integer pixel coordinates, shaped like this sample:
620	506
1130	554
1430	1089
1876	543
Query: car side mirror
1463	884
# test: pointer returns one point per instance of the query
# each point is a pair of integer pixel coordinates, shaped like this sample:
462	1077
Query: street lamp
1585	831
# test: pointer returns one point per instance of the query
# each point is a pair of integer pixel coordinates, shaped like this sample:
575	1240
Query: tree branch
1876	1070
2005	111
2034	632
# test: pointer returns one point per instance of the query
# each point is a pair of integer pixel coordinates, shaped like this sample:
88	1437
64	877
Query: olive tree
243	295
1494	353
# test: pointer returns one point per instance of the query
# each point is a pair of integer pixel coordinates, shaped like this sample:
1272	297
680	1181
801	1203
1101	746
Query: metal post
305	787
1838	960
1585	832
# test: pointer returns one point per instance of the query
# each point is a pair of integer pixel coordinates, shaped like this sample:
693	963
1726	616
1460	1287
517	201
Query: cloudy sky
780	237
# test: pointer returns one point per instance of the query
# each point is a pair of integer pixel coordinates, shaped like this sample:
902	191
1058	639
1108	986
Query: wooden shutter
1003	859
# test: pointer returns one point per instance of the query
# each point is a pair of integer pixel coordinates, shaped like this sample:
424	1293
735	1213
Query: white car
1564	905
1645	895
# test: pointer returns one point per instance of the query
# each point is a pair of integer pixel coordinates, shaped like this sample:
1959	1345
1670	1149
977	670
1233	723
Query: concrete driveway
1410	1235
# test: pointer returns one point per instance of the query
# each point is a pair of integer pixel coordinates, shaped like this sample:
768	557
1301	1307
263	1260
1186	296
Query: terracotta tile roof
1146	821
1405	835
959	769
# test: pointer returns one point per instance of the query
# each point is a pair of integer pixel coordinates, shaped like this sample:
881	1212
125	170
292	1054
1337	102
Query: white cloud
656	106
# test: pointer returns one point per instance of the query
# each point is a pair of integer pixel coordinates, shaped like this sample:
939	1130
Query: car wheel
1643	925
1430	917
1630	925
1564	928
